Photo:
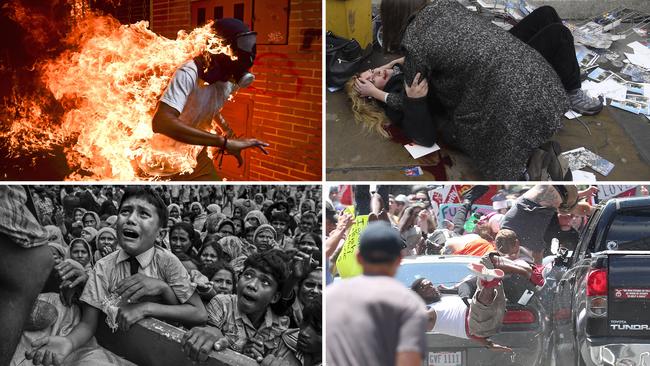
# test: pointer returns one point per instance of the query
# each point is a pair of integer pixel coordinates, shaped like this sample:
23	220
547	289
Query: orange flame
109	82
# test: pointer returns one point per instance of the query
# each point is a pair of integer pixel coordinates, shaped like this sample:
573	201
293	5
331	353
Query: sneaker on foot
474	193
582	103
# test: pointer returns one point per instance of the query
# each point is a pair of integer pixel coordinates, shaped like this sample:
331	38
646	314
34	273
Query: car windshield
439	273
630	230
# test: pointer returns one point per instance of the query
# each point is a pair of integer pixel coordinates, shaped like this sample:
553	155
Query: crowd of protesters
511	240
239	267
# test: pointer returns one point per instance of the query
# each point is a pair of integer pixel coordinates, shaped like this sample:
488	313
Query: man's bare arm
223	126
431	319
509	266
545	195
166	122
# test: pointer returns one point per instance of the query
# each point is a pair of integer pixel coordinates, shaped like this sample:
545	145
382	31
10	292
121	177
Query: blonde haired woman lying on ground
415	119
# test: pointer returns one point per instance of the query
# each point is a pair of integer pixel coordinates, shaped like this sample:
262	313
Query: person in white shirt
189	109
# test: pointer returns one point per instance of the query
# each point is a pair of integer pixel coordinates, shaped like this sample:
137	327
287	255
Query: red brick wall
170	16
287	91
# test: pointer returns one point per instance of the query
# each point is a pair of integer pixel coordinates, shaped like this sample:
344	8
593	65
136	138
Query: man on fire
191	103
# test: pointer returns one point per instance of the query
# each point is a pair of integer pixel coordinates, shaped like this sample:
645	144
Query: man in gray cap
373	319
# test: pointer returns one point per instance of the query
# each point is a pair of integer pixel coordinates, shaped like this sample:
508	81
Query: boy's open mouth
130	233
248	298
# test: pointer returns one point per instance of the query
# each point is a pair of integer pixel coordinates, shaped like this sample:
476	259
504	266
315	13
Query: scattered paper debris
415	171
627	105
639	59
583	176
582	157
636	73
572	114
418	151
585	56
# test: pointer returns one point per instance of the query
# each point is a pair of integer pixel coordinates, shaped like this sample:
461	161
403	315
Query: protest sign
346	263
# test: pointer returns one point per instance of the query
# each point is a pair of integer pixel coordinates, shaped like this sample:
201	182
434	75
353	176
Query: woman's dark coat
500	96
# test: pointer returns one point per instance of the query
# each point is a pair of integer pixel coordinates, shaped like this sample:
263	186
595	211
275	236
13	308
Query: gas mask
243	44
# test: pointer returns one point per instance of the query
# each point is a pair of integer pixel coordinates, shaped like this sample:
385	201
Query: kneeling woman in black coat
495	95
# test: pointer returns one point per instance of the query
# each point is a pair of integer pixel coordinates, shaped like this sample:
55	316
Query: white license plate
445	359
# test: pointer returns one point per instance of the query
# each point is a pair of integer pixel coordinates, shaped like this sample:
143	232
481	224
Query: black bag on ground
342	60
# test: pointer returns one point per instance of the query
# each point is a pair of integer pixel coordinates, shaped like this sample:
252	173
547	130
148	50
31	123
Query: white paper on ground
583	176
572	114
639	59
418	151
639	49
608	89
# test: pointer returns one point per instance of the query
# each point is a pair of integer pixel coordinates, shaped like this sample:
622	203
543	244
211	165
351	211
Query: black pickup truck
601	291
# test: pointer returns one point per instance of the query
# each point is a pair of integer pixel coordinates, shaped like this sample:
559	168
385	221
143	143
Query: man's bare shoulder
545	195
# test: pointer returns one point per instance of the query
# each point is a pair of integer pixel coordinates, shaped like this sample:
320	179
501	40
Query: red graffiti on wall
276	76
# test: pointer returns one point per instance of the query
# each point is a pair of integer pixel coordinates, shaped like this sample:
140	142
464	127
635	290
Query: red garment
478	247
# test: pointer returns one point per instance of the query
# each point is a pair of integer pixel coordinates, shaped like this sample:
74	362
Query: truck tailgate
629	295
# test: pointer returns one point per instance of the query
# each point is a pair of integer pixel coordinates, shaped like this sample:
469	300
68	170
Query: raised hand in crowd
423	220
106	250
589	192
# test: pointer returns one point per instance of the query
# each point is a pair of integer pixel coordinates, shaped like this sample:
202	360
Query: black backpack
343	58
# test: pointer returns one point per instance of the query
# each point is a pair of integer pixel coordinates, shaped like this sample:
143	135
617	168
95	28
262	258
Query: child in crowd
147	280
247	322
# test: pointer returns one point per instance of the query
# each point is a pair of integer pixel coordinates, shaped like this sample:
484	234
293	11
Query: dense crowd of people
239	267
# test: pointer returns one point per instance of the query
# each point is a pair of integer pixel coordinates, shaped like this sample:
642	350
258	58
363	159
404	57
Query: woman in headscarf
78	213
213	223
89	234
259	200
81	252
55	235
111	220
199	216
213	208
239	226
264	238
226	228
91	219
184	239
174	211
105	242
266	204
234	252
255	218
59	252
307	205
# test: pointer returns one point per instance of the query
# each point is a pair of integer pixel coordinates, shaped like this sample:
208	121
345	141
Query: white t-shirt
197	103
451	315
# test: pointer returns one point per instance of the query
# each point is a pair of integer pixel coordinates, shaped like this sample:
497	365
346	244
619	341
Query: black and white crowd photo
161	275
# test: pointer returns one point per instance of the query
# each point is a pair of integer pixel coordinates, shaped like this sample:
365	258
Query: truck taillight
518	317
597	282
597	292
